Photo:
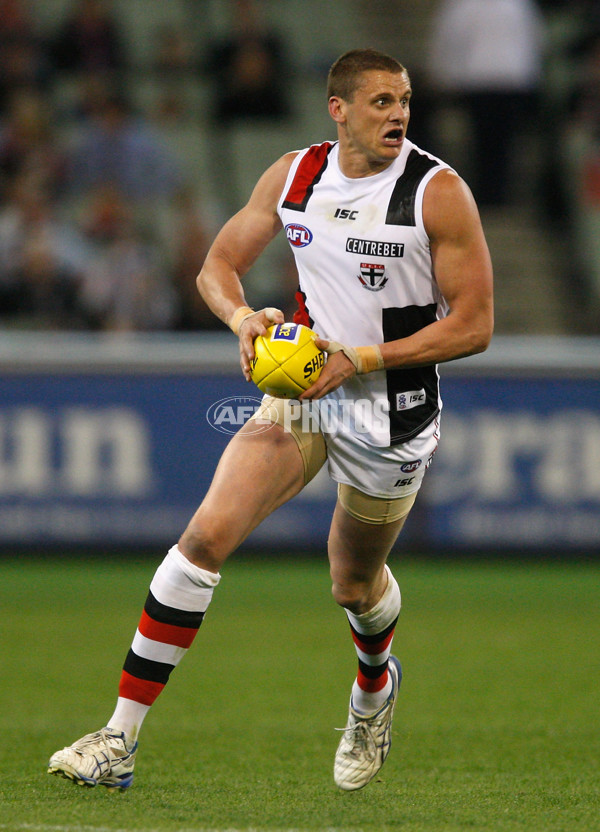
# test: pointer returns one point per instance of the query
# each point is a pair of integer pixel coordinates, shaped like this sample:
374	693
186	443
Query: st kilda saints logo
372	276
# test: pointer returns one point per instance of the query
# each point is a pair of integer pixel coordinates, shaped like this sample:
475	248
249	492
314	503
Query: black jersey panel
401	210
413	394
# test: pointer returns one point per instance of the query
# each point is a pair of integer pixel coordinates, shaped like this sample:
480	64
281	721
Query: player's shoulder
448	204
445	183
281	167
312	159
270	185
442	181
305	161
421	163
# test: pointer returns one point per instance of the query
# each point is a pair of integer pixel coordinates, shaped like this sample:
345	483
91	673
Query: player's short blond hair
344	75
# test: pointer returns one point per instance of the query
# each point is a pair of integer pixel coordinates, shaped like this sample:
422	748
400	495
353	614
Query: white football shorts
384	472
391	472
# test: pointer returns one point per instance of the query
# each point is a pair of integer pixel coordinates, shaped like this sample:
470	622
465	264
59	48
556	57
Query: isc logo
314	364
403	482
410	399
298	235
345	214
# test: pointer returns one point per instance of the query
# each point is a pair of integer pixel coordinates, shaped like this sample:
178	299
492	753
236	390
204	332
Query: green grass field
497	727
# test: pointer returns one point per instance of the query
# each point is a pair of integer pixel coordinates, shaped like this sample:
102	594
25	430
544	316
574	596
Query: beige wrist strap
369	359
238	316
365	359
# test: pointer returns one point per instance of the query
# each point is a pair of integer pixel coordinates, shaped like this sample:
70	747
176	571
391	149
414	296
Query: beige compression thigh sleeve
310	442
374	510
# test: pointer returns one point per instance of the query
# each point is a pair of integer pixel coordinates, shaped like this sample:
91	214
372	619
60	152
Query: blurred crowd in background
103	226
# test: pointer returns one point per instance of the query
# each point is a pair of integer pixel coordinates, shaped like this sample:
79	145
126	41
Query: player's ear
337	109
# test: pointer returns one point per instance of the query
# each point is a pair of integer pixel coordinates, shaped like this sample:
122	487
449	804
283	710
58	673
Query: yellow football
287	360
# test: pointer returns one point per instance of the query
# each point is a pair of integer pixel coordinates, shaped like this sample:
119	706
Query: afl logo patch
409	467
298	235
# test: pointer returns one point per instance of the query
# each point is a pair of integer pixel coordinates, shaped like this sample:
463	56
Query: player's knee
202	546
353	596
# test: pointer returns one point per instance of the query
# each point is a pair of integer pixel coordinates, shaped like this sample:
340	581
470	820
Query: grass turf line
496	727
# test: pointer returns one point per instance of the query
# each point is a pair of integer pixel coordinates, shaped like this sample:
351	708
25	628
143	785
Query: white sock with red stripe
179	596
373	632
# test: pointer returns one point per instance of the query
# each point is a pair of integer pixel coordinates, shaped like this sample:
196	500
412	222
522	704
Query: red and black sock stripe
373	653
165	631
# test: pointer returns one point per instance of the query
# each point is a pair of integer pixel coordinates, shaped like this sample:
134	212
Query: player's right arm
234	250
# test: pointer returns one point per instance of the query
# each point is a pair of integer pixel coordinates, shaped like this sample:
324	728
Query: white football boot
104	758
366	739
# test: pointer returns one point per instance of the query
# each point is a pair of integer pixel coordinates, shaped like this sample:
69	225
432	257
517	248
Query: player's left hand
338	368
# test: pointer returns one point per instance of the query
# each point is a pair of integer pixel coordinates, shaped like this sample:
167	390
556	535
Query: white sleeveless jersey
366	276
